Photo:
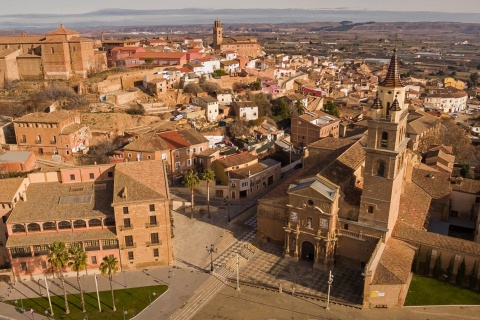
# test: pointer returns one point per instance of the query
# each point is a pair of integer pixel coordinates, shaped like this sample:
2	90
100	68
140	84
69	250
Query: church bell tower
217	34
385	155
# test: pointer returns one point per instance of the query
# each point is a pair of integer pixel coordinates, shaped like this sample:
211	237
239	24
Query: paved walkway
224	266
269	268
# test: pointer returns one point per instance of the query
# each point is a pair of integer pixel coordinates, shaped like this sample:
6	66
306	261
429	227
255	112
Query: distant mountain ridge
116	17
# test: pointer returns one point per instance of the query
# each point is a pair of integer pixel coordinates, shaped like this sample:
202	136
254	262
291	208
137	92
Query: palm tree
58	258
191	181
78	262
109	267
298	107
208	175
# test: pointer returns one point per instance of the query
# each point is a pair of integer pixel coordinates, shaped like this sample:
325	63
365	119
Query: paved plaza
270	269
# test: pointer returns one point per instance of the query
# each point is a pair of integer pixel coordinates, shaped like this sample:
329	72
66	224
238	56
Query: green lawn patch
428	291
132	300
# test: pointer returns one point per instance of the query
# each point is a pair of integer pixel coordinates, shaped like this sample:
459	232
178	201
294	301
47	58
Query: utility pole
330	281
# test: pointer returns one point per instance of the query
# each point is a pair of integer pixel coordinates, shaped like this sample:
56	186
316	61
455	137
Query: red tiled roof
394	264
237	159
181	138
160	55
62	31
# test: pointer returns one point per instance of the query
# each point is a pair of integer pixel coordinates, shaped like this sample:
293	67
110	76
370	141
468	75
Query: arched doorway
308	251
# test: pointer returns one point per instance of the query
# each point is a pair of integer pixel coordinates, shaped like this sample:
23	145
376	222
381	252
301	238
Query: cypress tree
450	269
426	271
461	273
437	268
473	276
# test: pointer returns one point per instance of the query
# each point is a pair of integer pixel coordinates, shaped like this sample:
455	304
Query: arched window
33	227
381	168
110	221
49	226
18	228
94	223
384	141
64	225
77	224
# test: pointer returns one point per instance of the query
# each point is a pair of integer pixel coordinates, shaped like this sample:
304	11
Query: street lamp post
211	250
51	312
124	313
170	274
330	281
21	302
227	203
150	296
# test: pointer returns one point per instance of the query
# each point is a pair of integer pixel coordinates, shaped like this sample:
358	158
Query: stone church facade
60	54
326	214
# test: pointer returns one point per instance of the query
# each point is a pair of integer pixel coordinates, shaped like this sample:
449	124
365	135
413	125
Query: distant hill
121	17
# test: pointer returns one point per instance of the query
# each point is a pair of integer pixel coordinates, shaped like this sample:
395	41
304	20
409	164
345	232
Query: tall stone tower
385	155
217	34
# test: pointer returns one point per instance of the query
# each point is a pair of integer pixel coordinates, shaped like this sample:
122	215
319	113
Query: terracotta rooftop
248	171
8	188
237	159
147	143
414	206
419	122
281	190
395	263
48	238
182	138
62	31
346	164
330	143
419	237
467	186
139	181
41	117
50	201
437	184
159	55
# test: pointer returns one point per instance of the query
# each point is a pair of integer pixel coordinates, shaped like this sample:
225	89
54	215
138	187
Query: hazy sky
82	6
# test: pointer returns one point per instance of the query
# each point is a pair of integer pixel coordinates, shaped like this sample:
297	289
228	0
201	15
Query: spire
377	103
393	77
395	105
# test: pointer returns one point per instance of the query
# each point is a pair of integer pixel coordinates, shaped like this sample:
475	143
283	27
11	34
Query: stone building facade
56	133
243	46
60	54
85	206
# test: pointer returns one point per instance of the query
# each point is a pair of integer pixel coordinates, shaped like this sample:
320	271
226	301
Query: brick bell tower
385	155
217	34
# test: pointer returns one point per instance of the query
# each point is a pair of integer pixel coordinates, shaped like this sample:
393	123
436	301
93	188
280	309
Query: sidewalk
182	284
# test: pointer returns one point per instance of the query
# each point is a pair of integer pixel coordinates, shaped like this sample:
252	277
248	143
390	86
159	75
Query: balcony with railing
38	141
151	225
153	244
92	248
358	235
128	246
109	246
126	227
